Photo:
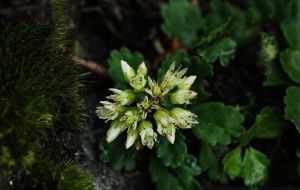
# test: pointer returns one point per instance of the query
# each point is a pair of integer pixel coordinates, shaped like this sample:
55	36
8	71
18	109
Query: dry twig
92	66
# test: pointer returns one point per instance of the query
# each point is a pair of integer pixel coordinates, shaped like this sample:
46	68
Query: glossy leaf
223	50
214	33
261	10
255	170
292	105
162	177
278	10
209	162
290	61
217	123
200	68
187	171
180	178
172	155
233	163
291	27
184	14
241	29
275	75
269	123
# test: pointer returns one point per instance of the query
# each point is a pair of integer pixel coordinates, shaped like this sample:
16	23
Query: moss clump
48	175
39	86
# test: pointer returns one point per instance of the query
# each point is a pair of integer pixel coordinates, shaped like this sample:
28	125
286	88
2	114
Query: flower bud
161	119
131	117
125	97
132	135
171	133
164	122
144	106
148	136
115	129
128	71
138	83
109	110
156	91
154	88
142	69
185	118
182	96
138	145
187	82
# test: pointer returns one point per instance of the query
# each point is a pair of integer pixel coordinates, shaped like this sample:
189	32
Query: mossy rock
50	175
39	90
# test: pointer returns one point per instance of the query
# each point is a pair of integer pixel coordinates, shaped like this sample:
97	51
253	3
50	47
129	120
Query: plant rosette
129	109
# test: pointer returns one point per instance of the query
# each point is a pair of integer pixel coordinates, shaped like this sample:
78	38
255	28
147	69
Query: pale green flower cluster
130	108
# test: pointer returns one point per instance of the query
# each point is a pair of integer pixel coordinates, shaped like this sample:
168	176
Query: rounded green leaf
172	154
208	161
255	170
275	75
292	108
162	177
223	50
217	123
187	171
290	61
233	162
182	13
269	123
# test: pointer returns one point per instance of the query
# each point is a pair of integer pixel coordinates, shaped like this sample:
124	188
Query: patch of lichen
49	175
39	86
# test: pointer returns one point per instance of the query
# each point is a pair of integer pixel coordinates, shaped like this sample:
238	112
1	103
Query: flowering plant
130	108
222	144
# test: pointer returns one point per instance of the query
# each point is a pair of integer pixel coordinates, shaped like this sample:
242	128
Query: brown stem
92	66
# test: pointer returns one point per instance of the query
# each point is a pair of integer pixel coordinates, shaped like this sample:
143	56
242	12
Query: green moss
48	175
39	86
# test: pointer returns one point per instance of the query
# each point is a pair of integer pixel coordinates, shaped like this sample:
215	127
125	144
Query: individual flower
172	78
125	97
171	129
116	127
144	107
166	124
109	110
154	89
145	104
131	117
136	81
186	119
148	136
182	96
